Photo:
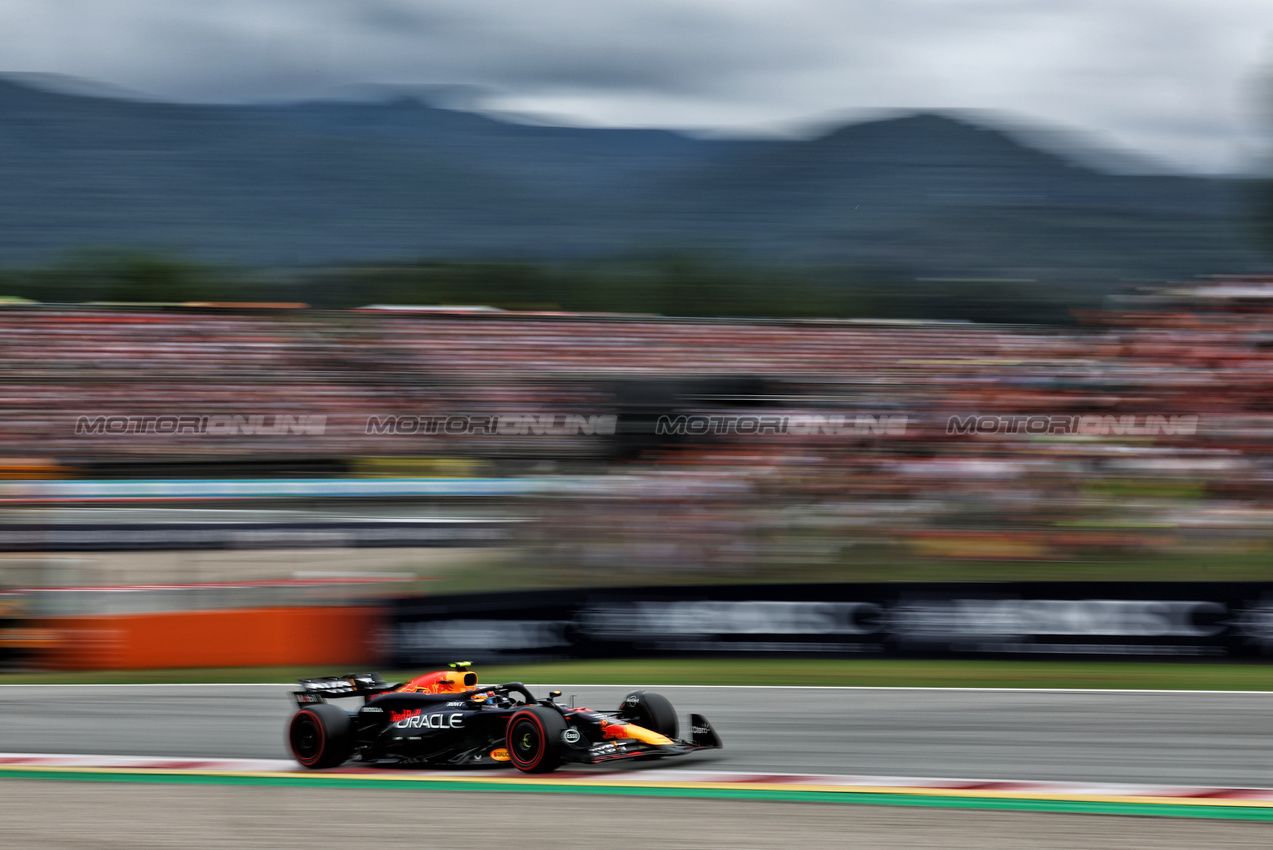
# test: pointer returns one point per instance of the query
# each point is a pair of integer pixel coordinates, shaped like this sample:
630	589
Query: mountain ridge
326	181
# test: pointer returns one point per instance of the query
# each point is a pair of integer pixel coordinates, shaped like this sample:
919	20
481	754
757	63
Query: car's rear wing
364	685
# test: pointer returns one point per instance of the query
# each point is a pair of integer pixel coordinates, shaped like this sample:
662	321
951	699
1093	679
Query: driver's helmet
442	682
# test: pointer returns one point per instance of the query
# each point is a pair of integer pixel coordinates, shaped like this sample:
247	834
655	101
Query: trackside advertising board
1177	621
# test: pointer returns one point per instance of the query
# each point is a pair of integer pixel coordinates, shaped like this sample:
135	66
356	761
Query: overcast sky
1176	79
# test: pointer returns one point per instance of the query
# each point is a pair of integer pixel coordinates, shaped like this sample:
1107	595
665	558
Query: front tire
534	739
652	711
320	736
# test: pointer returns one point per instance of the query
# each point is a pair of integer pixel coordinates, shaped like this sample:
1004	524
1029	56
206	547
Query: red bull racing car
446	719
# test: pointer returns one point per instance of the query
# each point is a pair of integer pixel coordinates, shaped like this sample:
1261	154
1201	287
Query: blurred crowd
1179	378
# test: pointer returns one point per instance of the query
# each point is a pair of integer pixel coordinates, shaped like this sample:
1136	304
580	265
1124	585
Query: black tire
534	739
320	736
653	711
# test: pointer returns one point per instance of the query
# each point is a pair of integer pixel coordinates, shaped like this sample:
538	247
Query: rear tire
534	739
653	711
320	736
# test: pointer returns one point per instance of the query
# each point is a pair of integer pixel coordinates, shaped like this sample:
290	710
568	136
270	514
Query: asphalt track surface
1181	738
83	815
1158	737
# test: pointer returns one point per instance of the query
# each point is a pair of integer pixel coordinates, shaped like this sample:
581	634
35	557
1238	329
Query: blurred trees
671	285
128	276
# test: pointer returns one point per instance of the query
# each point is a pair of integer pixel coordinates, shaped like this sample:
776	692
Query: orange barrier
254	637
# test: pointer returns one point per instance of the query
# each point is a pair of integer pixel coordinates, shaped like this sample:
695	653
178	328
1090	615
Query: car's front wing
703	737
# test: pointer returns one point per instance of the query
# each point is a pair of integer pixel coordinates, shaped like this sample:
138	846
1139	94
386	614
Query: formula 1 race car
446	719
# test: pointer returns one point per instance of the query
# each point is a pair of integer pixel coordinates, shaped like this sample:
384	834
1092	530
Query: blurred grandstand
1192	358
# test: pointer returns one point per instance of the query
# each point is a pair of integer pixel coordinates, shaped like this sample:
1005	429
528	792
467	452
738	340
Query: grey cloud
1169	75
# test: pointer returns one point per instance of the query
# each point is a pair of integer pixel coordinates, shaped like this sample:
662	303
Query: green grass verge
858	564
739	671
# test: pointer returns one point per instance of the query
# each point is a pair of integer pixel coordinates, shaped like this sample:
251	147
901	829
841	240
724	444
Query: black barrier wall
1176	620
